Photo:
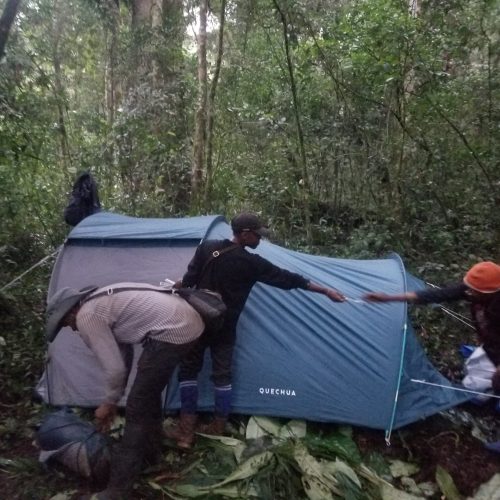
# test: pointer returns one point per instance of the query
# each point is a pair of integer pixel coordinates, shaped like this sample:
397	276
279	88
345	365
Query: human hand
104	415
376	297
334	295
495	381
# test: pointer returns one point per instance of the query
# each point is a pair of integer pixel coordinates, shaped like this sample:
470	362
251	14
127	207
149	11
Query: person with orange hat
481	288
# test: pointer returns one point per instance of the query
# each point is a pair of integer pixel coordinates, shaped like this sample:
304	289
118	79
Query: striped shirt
128	317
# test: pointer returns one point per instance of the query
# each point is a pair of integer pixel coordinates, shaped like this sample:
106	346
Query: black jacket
234	273
485	313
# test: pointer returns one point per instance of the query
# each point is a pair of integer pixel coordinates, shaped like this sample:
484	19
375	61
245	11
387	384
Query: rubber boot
183	433
216	427
222	398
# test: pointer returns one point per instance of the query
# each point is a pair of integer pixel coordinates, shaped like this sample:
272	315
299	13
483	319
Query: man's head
483	278
60	307
248	229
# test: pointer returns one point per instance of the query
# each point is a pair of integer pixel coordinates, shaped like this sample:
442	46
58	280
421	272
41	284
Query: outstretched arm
384	297
281	278
329	292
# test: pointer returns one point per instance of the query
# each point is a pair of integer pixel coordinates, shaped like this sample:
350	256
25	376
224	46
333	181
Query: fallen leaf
489	490
446	484
399	468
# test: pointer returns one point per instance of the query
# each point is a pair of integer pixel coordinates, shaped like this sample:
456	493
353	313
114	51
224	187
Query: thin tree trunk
201	112
8	16
59	19
300	134
211	107
110	79
111	85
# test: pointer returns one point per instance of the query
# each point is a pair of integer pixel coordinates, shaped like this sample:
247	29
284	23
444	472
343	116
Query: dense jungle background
354	127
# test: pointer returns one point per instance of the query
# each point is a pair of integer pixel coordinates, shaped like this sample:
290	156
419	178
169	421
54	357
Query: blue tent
298	355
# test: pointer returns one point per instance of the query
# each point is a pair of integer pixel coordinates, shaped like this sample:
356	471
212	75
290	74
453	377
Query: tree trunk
110	78
142	11
59	19
211	107
201	112
8	16
146	18
300	135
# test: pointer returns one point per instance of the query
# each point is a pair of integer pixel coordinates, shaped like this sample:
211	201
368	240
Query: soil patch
438	441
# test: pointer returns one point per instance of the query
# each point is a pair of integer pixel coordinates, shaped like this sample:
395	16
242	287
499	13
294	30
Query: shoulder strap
111	291
214	255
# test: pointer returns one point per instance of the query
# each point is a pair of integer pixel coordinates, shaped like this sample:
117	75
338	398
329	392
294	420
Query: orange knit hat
483	277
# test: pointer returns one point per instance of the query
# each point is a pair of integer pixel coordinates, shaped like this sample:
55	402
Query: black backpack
84	200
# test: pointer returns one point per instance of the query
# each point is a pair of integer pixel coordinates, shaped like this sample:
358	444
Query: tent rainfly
298	355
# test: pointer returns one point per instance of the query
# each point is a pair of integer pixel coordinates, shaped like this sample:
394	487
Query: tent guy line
460	317
456	316
34	266
488	394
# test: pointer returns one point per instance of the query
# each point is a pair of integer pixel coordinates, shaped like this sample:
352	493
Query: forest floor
448	440
444	440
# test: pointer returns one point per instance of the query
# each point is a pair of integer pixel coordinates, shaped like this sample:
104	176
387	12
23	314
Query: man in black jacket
227	268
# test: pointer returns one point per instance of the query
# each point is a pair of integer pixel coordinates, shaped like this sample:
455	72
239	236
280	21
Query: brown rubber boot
215	428
183	433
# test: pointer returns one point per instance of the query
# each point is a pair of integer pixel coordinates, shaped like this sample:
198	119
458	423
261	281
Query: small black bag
84	200
208	304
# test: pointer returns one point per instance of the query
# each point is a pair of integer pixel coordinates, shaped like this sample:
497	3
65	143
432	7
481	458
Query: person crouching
129	313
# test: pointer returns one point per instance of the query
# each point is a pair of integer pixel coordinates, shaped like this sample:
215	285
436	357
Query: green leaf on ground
389	492
489	490
338	443
446	484
293	429
399	468
247	469
377	463
262	426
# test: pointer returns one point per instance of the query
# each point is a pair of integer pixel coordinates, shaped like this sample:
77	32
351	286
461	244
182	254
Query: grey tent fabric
298	355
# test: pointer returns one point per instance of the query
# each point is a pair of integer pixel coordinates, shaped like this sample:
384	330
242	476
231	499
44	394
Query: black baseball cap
247	221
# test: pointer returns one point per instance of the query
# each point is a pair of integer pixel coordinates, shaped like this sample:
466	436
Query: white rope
460	317
457	316
455	388
29	270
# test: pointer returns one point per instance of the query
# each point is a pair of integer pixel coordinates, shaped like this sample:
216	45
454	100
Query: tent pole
388	431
